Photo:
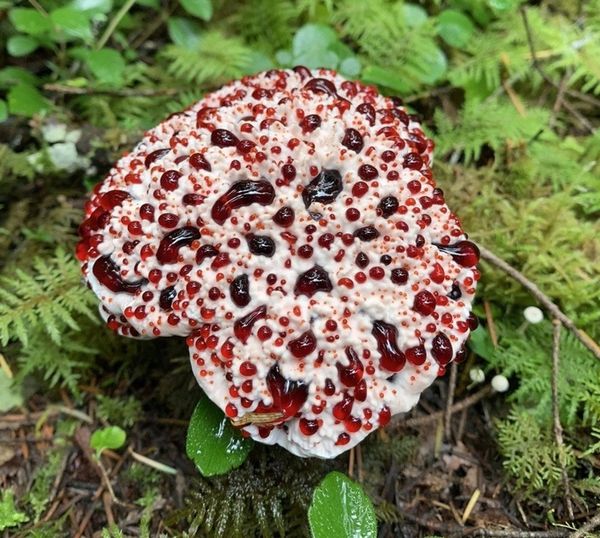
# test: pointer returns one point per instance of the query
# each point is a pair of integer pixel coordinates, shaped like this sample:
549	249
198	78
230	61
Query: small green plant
111	437
9	515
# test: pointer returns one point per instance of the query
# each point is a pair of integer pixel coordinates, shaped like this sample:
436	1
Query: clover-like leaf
213	444
341	508
111	437
198	8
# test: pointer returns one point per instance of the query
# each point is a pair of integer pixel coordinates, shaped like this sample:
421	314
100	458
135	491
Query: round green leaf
25	100
111	437
107	65
213	444
341	508
198	8
21	45
184	32
436	65
414	15
503	5
92	7
350	67
373	74
11	394
74	24
318	58
455	28
481	343
29	21
9	76
311	38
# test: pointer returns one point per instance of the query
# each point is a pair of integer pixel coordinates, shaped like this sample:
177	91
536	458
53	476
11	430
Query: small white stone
533	314
477	375
500	383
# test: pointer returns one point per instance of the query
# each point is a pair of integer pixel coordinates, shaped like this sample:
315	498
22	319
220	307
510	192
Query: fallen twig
450	401
544	300
558	436
122	92
433	417
591	525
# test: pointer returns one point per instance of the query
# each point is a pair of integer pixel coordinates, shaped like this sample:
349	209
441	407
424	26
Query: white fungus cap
290	227
500	383
477	375
533	314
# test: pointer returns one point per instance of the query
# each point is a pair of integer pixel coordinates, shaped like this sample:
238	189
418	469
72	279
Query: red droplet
343	408
242	328
392	359
168	250
352	373
424	303
304	345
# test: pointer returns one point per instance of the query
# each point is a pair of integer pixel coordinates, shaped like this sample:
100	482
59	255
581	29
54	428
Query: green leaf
26	100
213	444
414	15
3	110
29	21
198	8
341	508
350	67
9	515
92	7
436	64
73	23
9	76
111	437
21	45
312	38
455	28
481	343
373	74
107	65
10	393
184	32
503	5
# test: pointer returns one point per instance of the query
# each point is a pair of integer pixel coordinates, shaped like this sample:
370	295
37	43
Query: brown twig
591	525
544	300
450	401
123	92
491	325
433	417
558	431
537	66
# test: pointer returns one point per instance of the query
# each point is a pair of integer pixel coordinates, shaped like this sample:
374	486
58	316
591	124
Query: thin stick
152	463
351	462
538	68
123	92
584	338
433	417
490	322
112	25
450	401
588	527
558	431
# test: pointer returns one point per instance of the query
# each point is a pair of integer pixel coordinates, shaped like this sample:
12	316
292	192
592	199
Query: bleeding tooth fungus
289	226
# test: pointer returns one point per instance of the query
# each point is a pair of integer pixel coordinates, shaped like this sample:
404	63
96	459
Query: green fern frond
216	59
526	357
48	300
491	123
14	165
531	457
268	24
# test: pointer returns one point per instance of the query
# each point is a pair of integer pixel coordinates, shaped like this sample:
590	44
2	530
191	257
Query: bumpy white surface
209	324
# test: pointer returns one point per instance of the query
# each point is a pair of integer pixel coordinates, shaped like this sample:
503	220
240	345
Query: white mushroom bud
500	383
533	314
477	375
